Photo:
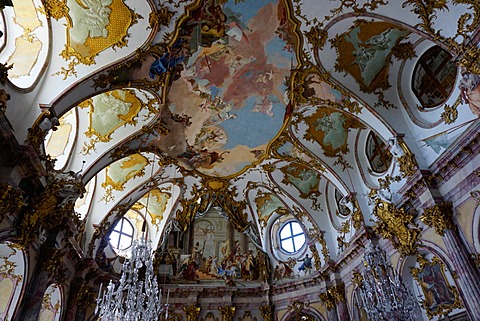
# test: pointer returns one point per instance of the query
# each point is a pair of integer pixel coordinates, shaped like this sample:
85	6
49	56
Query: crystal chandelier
136	297
381	292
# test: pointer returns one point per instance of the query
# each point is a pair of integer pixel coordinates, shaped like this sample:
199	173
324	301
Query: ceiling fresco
257	109
224	85
365	51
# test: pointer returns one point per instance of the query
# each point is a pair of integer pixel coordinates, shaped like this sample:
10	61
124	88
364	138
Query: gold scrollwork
440	297
217	192
439	216
192	311
160	17
227	312
450	113
316	257
56	9
407	162
333	295
470	60
267	312
11	200
85	296
398	226
53	264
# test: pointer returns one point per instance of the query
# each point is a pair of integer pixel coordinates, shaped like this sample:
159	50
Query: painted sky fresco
234	59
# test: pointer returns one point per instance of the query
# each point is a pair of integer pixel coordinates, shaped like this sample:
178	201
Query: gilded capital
327	299
192	311
227	312
439	216
267	312
333	295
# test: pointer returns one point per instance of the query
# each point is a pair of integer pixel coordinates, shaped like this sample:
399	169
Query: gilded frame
431	270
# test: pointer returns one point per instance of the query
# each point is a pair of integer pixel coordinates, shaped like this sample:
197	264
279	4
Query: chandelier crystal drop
137	296
382	294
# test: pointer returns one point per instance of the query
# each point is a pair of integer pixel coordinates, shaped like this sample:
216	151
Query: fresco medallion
227	70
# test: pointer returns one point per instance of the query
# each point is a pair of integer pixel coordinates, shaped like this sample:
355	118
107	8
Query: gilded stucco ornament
192	311
333	295
267	311
405	158
227	312
85	296
430	275
56	9
470	60
450	113
316	257
213	192
11	200
323	242
316	37
4	68
53	263
53	208
439	216
297	308
86	41
7	267
398	226
161	17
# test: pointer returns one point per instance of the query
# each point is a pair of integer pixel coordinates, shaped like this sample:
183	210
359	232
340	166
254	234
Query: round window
292	237
122	235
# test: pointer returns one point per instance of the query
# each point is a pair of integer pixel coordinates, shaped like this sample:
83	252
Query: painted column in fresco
440	217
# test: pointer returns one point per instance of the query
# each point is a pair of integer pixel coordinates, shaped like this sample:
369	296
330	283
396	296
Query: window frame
377	141
121	233
291	237
431	77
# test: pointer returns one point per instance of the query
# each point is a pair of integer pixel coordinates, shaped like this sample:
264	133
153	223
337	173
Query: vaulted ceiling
182	105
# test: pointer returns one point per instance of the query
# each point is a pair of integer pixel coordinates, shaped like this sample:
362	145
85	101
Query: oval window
434	77
292	237
121	237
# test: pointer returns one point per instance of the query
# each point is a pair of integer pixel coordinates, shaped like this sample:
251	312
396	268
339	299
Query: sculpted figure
470	91
395	149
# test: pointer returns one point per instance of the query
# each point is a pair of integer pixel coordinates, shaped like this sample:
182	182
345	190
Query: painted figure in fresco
197	254
248	266
283	270
264	107
306	266
201	158
177	54
470	91
434	287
